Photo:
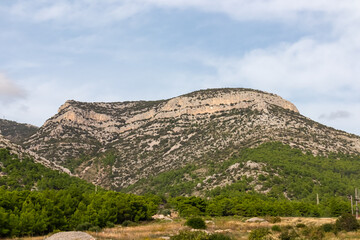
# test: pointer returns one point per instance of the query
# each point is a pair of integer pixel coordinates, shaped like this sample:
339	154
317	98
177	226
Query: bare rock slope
16	132
116	144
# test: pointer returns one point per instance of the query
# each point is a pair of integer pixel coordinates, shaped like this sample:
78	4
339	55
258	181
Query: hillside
117	144
22	153
16	132
274	169
25	174
23	170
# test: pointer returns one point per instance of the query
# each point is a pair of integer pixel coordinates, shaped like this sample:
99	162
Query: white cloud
306	64
335	115
75	13
107	11
9	90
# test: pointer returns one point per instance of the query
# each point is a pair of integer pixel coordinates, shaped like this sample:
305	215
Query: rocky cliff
16	132
117	144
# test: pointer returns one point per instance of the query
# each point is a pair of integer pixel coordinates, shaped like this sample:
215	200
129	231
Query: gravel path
71	236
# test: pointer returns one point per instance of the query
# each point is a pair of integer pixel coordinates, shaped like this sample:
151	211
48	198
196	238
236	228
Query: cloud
305	65
335	115
100	12
9	91
75	13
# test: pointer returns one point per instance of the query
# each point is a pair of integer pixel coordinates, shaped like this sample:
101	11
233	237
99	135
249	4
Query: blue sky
306	51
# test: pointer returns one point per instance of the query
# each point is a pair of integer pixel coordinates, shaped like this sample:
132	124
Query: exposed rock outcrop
116	144
16	132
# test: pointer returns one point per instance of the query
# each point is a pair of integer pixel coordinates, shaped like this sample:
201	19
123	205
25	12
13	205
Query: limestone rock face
116	144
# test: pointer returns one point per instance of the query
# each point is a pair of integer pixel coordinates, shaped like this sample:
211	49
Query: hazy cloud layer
111	10
335	115
9	90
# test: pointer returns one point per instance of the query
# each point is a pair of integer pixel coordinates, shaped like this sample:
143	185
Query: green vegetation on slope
25	174
301	175
282	173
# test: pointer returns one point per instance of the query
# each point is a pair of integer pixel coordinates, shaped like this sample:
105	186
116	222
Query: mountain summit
117	144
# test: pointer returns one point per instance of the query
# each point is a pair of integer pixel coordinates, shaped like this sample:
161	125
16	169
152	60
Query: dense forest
35	200
40	212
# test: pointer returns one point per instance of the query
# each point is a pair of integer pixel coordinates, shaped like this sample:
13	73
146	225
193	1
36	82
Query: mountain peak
209	101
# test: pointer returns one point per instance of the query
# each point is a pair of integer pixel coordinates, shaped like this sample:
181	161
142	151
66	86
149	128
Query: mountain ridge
117	144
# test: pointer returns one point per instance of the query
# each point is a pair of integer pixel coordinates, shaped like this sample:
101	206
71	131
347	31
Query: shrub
328	227
83	226
165	212
259	234
199	235
288	234
128	223
110	224
314	233
300	225
196	223
276	228
188	235
276	219
219	236
347	222
95	229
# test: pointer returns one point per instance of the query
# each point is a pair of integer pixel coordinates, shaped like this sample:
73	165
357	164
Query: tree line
40	212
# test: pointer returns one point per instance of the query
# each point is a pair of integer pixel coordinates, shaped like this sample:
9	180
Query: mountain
21	169
117	144
16	132
22	153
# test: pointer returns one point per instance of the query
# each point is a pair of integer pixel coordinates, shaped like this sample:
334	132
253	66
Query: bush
165	212
276	228
288	234
188	235
196	223
219	236
314	233
95	229
328	227
347	222
259	234
300	225
128	223
110	224
83	226
276	219
199	235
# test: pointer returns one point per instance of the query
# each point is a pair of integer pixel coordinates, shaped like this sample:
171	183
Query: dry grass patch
27	238
148	231
309	221
236	227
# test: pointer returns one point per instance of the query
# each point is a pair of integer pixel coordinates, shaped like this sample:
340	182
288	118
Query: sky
307	51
